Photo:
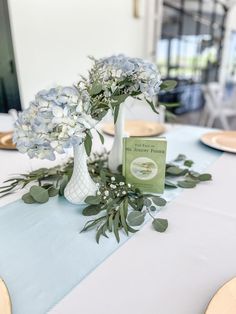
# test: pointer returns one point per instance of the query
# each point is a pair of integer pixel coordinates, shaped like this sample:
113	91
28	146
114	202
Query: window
191	41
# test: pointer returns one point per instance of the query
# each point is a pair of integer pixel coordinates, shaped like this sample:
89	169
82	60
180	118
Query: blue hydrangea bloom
57	119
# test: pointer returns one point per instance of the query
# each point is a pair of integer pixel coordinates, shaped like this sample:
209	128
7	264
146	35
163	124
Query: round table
177	272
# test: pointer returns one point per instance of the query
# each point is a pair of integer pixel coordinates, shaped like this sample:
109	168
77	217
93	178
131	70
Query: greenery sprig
113	200
117	206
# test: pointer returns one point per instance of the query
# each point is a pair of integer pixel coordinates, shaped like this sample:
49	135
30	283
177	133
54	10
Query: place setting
6	141
221	140
5	302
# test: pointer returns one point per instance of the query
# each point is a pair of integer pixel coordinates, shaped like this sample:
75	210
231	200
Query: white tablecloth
172	273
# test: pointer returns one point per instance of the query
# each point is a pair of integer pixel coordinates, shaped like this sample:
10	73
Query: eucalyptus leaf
88	144
140	202
52	191
168	85
187	184
93	200
160	224
176	171
205	177
39	194
136	218
153	208
119	99
180	157
152	105
91	210
28	199
92	223
99	233
116	226
147	202
159	201
170	184
63	184
116	112
47	186
110	223
95	89
119	169
123	217
170	105
104	229
188	163
101	137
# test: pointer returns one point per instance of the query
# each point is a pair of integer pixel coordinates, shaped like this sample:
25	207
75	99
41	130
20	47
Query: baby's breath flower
124	192
122	183
106	193
113	186
113	179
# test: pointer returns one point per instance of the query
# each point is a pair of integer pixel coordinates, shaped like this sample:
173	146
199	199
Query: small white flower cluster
54	121
113	190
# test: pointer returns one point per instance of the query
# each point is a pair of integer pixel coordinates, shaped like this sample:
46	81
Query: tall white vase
162	113
81	184
115	156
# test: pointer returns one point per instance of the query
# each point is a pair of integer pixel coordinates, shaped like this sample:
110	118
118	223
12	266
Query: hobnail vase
81	184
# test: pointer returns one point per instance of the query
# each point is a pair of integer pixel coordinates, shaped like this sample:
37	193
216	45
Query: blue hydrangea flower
57	119
117	77
131	76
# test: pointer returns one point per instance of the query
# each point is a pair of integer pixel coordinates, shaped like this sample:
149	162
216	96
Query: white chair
216	107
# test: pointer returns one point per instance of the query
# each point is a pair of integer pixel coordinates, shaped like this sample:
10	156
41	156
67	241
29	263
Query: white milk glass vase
115	156
81	184
162	112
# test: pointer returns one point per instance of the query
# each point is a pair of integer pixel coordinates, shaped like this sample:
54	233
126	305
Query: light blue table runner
43	255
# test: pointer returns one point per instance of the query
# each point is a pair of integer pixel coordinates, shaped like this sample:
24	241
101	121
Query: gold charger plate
224	301
137	128
223	140
6	141
5	302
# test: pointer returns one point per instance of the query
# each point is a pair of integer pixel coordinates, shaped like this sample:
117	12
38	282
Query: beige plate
5	303
6	141
223	140
137	128
224	302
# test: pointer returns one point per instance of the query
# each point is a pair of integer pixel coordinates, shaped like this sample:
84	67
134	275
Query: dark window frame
198	19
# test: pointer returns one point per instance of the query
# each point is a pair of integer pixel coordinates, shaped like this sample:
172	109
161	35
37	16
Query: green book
144	162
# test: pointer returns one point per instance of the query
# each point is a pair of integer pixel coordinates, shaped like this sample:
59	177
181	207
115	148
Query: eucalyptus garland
117	206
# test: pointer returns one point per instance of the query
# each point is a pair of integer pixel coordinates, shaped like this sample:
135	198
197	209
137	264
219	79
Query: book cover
144	162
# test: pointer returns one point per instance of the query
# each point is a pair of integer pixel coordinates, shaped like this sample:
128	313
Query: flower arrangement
60	117
63	117
111	80
57	119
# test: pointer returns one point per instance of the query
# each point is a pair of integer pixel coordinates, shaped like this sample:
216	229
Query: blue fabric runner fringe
43	255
